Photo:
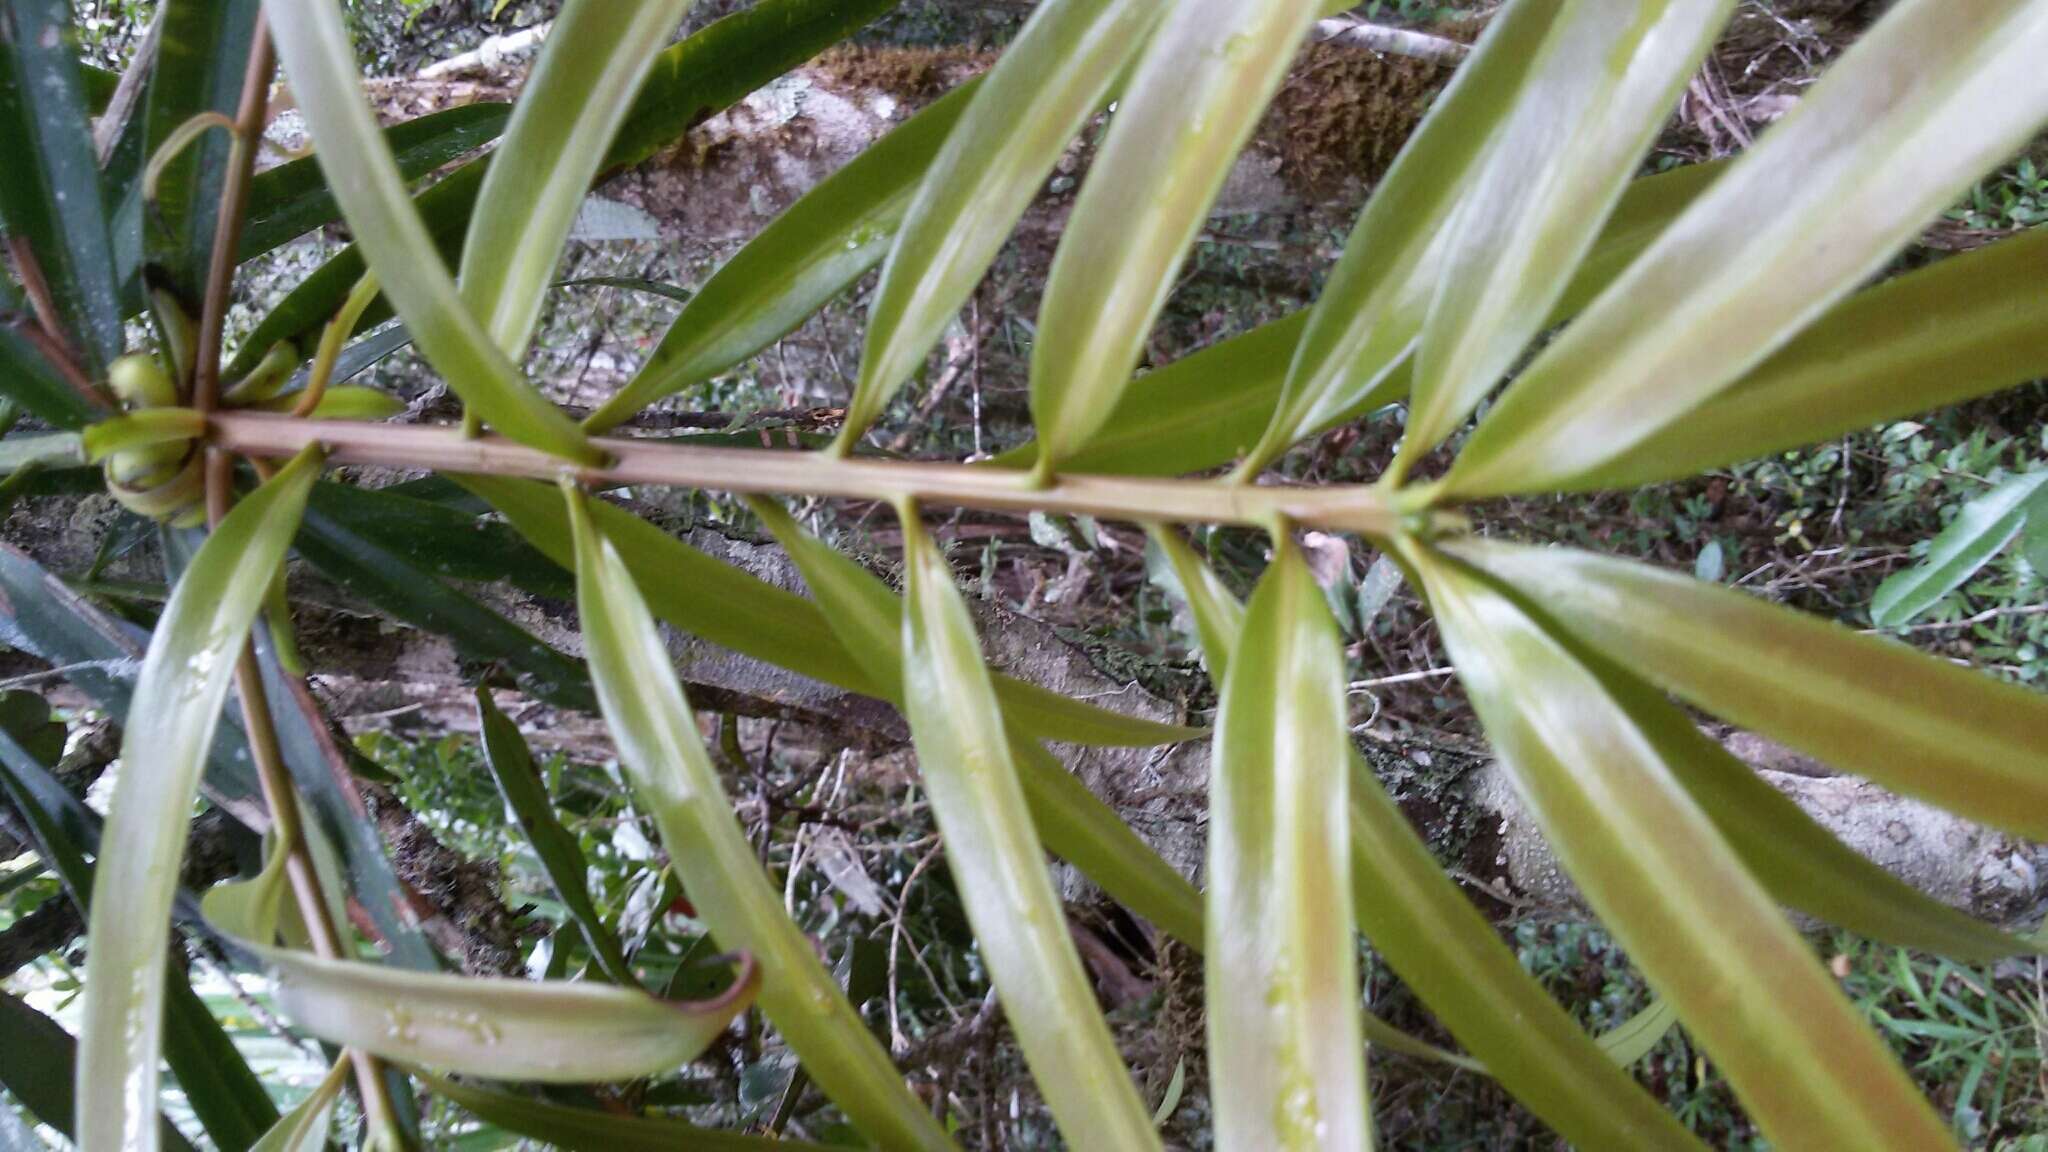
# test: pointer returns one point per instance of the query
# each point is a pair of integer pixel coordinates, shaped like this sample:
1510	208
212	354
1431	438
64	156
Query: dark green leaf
202	54
50	185
519	782
587	1130
30	380
36	1058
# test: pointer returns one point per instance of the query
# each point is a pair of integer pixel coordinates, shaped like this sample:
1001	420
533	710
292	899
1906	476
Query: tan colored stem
227	231
1347	508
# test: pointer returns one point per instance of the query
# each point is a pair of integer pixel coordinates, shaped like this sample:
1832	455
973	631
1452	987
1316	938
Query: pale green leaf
999	867
1282	979
1454	959
304	1128
1981	529
1704	932
1633	1038
597	55
2035	546
1046	85
313	44
1910	722
1219	617
1600	92
831	237
1933	96
867	618
1193	100
673	780
170	724
1967	326
1366	320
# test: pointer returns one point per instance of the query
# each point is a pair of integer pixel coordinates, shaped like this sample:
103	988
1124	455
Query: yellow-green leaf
1048	82
1603	87
1704	932
1193	100
997	864
1282	979
597	54
672	778
304	1128
1367	317
176	706
1965	327
314	46
1929	99
1908	721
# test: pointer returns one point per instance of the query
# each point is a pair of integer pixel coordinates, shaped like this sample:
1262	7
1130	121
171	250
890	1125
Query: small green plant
1695	319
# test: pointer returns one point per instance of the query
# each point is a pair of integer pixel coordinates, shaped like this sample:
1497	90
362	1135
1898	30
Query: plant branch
227	230
1348	508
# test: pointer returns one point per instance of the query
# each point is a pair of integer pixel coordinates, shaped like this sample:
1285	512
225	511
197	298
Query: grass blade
1933	96
1704	932
1452	956
586	1130
999	867
313	43
832	236
1907	721
1634	1038
581	89
1368	315
545	1031
171	721
1193	100
672	778
1046	85
1282	970
1604	86
1965	327
1980	531
50	189
519	782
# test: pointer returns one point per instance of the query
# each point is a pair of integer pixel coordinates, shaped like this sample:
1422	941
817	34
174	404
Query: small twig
1401	678
1984	617
1390	41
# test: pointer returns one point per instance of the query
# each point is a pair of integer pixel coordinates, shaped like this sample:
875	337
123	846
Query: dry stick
1345	508
278	794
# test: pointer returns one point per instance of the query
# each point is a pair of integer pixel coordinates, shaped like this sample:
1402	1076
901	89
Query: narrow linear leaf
170	725
735	610
1603	88
1281	959
292	199
817	248
1443	948
519	782
1704	932
50	190
1210	407
1980	531
999	867
1367	317
1046	85
1193	100
581	89
546	1031
29	379
1933	96
690	82
202	53
36	1058
1907	721
586	1130
2035	545
1965	327
305	1127
673	779
1800	863
1635	1037
313	43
